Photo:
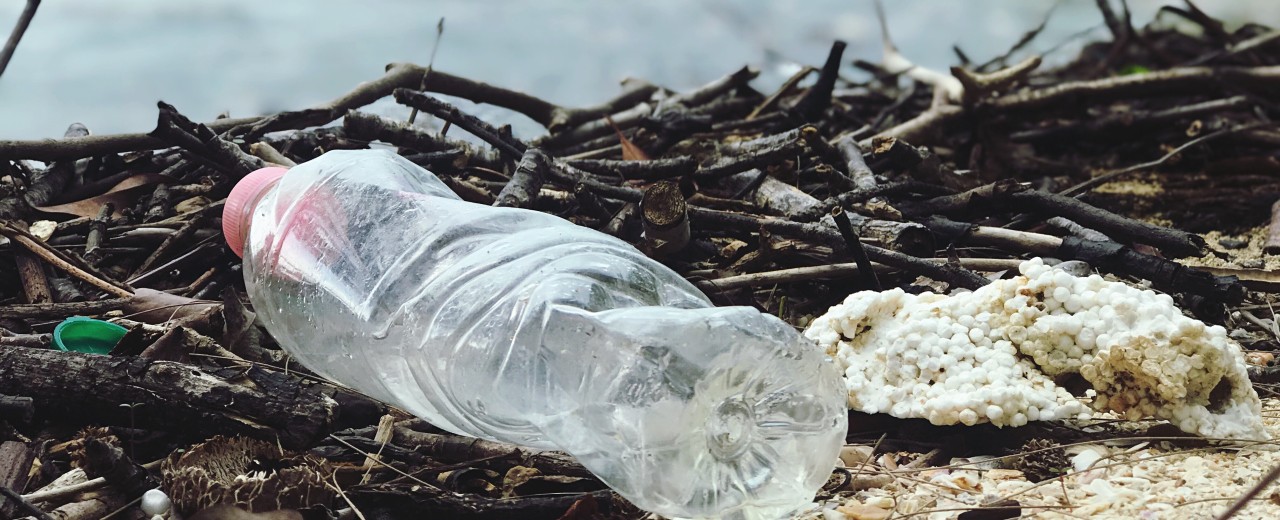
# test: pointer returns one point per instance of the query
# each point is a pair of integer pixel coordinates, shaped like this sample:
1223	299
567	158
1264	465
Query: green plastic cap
87	335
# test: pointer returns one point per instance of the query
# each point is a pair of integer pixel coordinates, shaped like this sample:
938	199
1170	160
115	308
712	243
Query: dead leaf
630	152
122	195
515	476
1262	359
158	307
583	509
196	203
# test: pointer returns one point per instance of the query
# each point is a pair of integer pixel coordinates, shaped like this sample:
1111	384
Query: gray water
106	63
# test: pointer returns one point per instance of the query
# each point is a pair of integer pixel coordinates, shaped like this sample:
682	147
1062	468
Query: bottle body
519	326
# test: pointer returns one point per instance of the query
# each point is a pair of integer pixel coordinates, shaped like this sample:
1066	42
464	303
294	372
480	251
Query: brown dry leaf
515	476
158	307
1261	359
585	508
630	152
121	195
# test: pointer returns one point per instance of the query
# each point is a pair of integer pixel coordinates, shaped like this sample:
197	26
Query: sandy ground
1130	478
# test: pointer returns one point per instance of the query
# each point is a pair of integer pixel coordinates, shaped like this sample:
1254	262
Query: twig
895	63
1111	175
202	141
431	62
186	231
783	90
1237	48
1109	125
65	261
1258	488
1120	31
634	92
397	75
811	107
854	245
370	127
19	29
1008	239
22	503
526	181
921	129
978	85
49	310
734	164
651	170
97	234
1009	194
477	127
954	275
665	218
836	271
903	97
1026	38
862	195
1172	241
855	165
706	93
54	495
1180	80
263	150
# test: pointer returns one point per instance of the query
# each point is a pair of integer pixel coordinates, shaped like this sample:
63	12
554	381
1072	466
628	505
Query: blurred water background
106	63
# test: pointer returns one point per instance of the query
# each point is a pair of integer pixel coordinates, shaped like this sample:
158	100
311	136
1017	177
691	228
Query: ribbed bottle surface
519	326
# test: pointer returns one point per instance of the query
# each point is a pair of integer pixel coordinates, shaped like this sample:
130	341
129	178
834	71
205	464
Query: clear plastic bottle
518	326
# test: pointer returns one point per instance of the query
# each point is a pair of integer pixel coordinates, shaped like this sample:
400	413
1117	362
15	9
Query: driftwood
905	178
170	396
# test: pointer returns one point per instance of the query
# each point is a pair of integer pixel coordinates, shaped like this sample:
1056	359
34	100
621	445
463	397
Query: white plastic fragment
991	355
1085	460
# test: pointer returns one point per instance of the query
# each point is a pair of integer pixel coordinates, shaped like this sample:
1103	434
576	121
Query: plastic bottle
518	326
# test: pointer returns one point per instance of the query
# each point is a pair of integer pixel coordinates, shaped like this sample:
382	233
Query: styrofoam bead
155	502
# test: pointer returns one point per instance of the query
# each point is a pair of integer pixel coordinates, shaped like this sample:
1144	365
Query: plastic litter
518	326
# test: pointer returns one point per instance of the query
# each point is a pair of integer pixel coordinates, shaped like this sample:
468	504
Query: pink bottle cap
235	214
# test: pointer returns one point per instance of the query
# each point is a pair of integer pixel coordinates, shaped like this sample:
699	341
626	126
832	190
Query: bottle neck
245	216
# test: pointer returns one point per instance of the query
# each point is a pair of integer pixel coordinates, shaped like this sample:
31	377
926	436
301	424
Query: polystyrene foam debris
992	355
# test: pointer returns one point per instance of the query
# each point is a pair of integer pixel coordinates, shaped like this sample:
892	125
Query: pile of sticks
787	200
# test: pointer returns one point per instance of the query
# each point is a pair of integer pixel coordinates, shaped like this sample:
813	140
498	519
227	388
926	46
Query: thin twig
1239	504
24	20
854	244
1079	189
23	504
413	114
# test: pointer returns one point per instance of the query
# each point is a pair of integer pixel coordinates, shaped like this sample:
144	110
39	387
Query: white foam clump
155	503
991	355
